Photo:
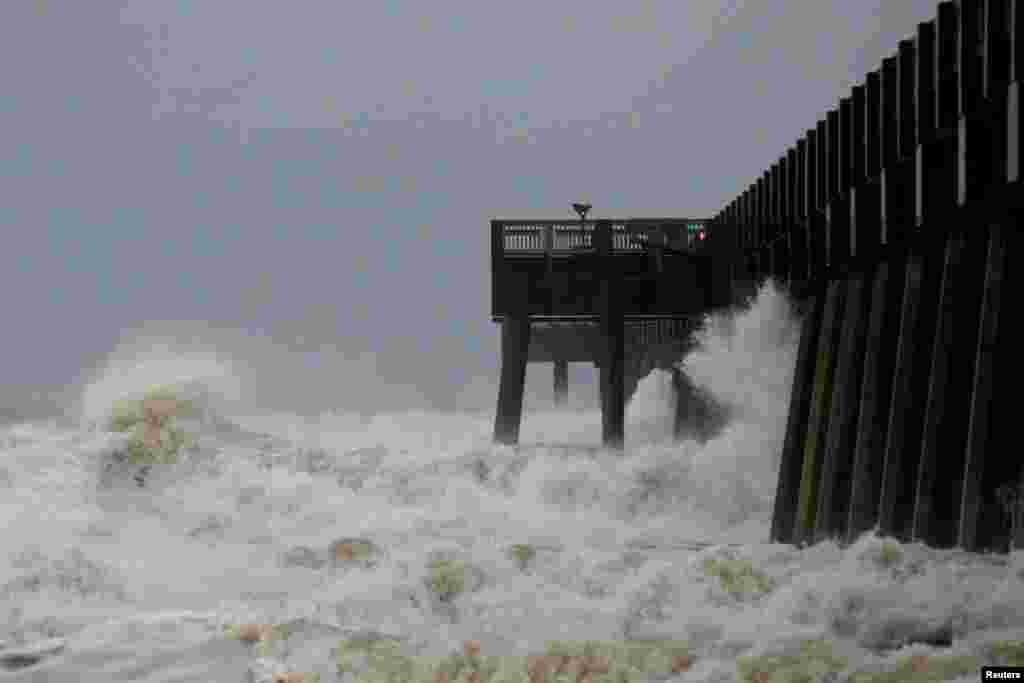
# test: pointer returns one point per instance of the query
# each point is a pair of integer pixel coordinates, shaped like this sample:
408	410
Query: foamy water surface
105	580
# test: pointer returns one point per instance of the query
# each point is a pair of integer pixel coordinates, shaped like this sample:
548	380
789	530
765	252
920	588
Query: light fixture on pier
582	210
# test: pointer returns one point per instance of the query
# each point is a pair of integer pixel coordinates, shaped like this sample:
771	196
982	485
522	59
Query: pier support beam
910	384
947	411
1006	390
515	346
613	391
698	415
784	513
688	415
834	485
972	496
561	377
875	395
613	343
817	422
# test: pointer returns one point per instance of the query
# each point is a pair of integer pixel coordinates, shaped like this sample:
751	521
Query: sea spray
139	583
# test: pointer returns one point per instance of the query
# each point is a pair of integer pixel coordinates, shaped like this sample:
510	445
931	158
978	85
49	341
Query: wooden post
866	197
788	488
801	252
834	485
896	177
788	217
944	435
976	135
925	118
875	393
561	377
760	202
981	393
937	186
775	254
550	287
936	192
837	207
613	337
903	434
515	344
817	427
812	222
685	417
906	105
1014	110
749	244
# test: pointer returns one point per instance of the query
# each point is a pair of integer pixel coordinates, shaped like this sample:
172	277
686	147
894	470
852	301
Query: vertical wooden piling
836	203
895	202
935	203
940	470
906	414
941	480
515	346
837	446
872	394
834	482
875	395
686	410
561	382
613	338
788	210
817	427
801	244
1003	465
978	527
982	394
788	486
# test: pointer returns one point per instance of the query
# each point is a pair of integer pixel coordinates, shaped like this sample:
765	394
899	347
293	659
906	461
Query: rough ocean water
106	580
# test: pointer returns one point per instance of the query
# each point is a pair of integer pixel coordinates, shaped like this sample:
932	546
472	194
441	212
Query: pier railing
536	237
551	269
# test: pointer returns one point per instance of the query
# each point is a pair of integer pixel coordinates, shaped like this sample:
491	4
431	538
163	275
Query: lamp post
582	210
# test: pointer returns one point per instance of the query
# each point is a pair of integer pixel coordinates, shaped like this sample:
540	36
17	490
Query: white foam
242	528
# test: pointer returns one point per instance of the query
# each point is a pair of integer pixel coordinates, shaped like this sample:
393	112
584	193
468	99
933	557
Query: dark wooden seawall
895	222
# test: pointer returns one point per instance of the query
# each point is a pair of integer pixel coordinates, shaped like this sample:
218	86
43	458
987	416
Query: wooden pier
624	295
895	223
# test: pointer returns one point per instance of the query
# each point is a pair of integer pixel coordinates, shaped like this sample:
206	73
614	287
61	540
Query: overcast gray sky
319	174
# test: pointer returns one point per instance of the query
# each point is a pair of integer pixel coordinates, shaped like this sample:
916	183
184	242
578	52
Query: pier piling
561	381
515	344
